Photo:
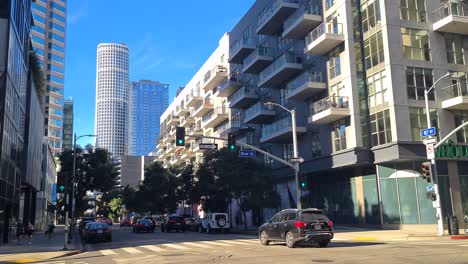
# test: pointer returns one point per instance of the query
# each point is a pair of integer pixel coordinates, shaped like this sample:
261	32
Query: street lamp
440	223
296	154
73	183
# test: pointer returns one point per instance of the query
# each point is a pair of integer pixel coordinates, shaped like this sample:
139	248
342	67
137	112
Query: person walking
19	231
30	231
50	230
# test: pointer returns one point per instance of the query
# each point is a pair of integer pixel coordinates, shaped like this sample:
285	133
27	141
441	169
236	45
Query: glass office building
48	38
147	101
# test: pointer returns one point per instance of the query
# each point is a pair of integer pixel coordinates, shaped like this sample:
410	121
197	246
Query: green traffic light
62	188
303	184
181	141
232	147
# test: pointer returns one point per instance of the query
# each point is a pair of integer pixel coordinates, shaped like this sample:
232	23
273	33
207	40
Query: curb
31	260
459	237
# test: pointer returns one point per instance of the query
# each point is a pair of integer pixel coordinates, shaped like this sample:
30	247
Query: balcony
280	131
302	22
187	153
193	98
271	20
259	113
243	97
166	138
195	130
214	77
283	68
173	120
260	58
240	49
187	121
203	107
231	127
459	94
324	38
329	109
215	117
230	84
305	85
452	18
172	132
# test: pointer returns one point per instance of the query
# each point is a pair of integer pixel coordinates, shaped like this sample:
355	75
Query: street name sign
430	188
208	146
428	132
296	160
248	153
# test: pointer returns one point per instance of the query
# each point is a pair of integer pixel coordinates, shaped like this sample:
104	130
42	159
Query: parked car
215	222
83	222
295	226
106	221
143	225
126	223
151	219
95	231
158	220
173	222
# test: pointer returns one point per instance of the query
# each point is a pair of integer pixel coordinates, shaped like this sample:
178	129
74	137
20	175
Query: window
336	90
370	11
275	218
417	81
415	44
458	84
377	87
460	118
288	151
316	147
413	10
454	46
373	50
339	135
381	129
334	67
283	93
418	121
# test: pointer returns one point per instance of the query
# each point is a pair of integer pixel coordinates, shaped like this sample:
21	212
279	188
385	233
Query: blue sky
168	42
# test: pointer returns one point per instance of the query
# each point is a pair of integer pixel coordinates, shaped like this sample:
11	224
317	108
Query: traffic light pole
296	165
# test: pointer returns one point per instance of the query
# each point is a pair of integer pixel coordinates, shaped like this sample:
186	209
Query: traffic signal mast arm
252	147
450	134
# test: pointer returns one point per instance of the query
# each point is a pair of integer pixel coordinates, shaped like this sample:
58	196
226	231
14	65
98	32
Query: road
191	247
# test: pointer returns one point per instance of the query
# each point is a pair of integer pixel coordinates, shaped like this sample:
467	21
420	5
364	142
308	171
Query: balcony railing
239	44
217	69
229	125
324	28
266	15
257	109
329	103
208	102
459	89
287	57
303	79
247	89
235	76
307	10
215	112
269	129
452	8
259	51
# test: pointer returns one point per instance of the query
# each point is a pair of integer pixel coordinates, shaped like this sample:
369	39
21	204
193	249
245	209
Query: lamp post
440	224
296	154
73	181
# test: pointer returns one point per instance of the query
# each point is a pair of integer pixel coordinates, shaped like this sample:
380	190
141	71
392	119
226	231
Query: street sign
296	160
430	188
208	146
430	141
248	153
428	132
430	151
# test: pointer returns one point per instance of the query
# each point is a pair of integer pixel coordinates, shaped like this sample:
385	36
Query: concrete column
455	195
360	200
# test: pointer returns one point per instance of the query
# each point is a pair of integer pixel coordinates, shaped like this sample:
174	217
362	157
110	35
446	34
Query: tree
186	185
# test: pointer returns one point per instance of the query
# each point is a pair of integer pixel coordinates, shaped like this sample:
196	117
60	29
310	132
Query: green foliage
38	75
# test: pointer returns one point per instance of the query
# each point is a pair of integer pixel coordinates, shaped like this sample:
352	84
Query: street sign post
428	132
248	153
296	160
430	151
208	146
430	141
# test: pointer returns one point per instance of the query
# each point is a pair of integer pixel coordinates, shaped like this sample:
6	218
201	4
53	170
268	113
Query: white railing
217	69
325	27
454	8
329	102
215	112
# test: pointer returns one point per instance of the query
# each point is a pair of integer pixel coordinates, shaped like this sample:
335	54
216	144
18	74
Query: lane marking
107	252
132	250
249	241
196	245
234	242
154	248
216	243
175	246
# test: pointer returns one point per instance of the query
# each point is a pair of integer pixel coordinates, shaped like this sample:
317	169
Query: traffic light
302	181
60	183
231	142
426	173
180	136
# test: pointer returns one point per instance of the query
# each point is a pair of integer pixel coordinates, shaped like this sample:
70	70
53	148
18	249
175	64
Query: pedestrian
30	231
50	230
19	231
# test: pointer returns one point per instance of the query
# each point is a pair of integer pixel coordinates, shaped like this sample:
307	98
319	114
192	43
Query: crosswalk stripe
463	245
216	243
174	246
107	252
154	248
234	242
253	241
196	245
132	250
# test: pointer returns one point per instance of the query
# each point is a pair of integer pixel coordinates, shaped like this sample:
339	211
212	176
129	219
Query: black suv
297	226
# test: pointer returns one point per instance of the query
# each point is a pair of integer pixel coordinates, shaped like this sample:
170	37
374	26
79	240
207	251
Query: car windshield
97	226
312	216
144	221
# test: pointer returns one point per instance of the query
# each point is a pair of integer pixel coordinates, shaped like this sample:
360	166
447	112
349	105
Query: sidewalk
41	248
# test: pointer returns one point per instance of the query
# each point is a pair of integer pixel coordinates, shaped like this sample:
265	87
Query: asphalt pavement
192	247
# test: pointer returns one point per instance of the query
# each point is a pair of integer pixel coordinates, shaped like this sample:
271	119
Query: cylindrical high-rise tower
112	83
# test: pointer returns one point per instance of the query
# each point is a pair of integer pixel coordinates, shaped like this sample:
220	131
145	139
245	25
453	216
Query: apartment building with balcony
200	108
355	72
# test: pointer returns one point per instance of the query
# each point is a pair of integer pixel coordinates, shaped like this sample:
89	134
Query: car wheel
323	244
290	240
264	238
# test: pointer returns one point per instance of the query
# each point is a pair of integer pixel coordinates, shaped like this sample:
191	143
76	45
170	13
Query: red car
126	223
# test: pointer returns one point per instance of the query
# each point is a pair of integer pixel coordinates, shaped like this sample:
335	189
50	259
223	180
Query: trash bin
453	225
